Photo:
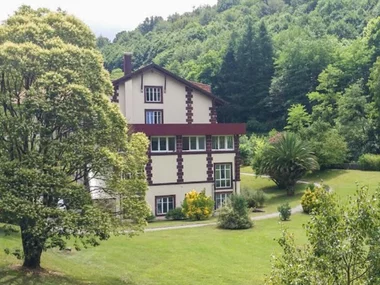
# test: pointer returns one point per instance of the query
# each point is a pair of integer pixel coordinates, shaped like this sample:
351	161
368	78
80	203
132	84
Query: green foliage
59	130
234	214
286	160
197	206
298	118
328	145
150	218
255	198
285	211
342	245
175	214
370	161
311	199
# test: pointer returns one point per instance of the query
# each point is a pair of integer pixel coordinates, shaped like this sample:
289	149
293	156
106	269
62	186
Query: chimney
127	63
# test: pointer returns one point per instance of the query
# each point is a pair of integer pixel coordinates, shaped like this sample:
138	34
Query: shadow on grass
278	196
21	277
325	174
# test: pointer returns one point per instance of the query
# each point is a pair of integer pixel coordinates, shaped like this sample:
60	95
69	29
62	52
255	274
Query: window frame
224	179
146	94
225	147
156	204
154	110
196	142
166	144
228	194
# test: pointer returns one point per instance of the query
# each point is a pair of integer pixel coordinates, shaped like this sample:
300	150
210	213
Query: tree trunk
290	190
32	247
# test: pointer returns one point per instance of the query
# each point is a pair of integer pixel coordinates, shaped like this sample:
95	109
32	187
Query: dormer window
153	94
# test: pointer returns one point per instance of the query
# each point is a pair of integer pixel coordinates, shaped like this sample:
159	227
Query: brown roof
202	88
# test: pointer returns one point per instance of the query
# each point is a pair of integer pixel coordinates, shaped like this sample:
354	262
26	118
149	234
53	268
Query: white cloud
110	16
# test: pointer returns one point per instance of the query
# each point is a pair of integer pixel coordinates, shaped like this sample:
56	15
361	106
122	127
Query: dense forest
309	66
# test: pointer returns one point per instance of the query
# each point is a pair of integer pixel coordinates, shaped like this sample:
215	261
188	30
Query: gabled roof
200	87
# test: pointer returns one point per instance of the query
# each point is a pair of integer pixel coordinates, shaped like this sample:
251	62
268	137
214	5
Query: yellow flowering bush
311	198
197	206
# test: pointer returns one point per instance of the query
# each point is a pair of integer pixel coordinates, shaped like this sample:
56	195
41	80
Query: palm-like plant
287	160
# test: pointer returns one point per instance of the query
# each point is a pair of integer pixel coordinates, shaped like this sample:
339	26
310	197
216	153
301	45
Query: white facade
179	118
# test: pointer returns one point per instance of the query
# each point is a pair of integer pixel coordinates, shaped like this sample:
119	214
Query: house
188	149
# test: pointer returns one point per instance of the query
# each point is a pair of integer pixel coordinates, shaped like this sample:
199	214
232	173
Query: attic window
153	94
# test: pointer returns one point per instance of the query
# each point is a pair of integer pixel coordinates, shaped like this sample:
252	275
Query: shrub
311	199
370	161
150	218
286	160
175	214
255	199
197	206
234	214
284	212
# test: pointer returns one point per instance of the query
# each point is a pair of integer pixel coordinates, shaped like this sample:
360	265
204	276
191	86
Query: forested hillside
265	56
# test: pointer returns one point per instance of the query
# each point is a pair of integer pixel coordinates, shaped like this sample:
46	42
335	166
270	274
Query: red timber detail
179	160
237	157
209	165
189	105
189	129
213	114
149	168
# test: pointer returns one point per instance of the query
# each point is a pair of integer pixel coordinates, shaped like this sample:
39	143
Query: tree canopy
58	131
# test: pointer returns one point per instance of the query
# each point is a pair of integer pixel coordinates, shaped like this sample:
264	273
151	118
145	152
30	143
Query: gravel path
294	210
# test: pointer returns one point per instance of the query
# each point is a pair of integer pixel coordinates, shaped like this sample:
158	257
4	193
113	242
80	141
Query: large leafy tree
58	130
342	248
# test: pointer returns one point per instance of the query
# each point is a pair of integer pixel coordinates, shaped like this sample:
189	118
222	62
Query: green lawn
204	255
343	183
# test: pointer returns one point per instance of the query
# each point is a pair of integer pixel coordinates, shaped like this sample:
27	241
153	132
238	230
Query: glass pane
202	143
228	183
149	117
223	171
163	144
155	144
217	183
228	171
165	207
222	183
185	143
230	144
215	143
217	173
193	143
172	144
222	142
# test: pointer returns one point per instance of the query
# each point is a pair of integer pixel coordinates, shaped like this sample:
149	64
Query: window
153	94
220	198
222	143
223	178
164	204
154	117
162	144
193	143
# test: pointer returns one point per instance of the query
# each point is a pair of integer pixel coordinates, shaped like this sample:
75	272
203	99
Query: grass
204	255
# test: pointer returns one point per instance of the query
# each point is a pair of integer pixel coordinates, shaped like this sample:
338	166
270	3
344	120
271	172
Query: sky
108	17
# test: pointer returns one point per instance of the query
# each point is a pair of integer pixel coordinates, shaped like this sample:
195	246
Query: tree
58	132
342	248
286	160
298	118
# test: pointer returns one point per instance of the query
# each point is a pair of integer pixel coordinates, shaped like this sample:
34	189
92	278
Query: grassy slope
193	256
